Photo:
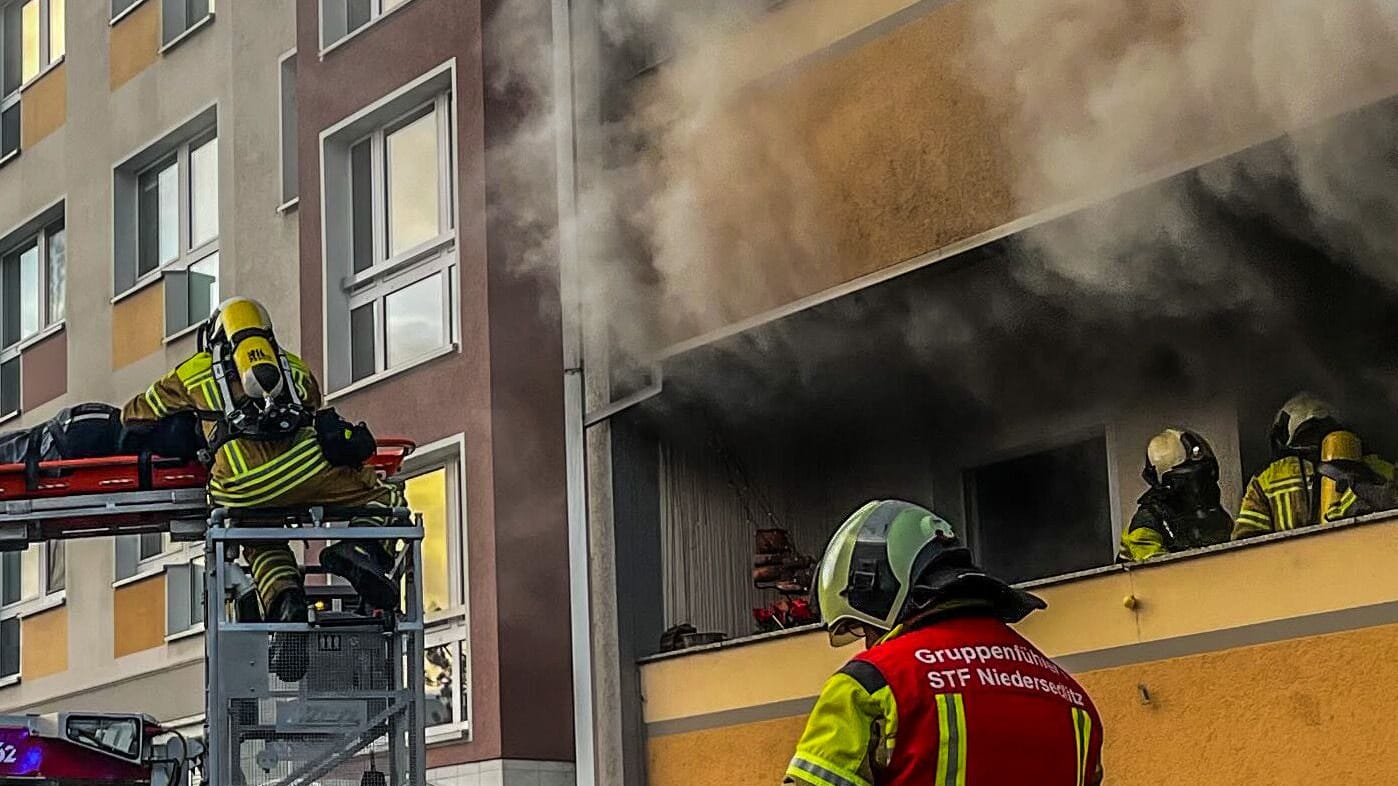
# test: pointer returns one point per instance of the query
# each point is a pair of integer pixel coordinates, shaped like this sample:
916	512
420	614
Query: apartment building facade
328	158
947	330
124	223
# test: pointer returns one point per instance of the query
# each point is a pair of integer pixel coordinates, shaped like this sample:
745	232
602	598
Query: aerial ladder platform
355	719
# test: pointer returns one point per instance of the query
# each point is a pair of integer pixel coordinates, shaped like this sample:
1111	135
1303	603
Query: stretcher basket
356	718
121	495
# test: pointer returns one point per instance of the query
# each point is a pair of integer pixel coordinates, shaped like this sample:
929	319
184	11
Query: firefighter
1181	509
1287	494
265	447
946	693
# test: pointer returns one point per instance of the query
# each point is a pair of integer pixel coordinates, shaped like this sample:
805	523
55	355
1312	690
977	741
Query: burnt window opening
1044	514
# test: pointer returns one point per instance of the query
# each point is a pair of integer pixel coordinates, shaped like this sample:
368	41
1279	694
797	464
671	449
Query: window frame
46	60
287	153
128	278
377	13
42	241
36	229
187	255
343	289
171	36
47	598
450	626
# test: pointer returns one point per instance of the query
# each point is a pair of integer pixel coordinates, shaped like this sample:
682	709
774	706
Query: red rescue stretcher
119	495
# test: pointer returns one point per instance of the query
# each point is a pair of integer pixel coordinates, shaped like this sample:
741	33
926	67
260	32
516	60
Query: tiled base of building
504	772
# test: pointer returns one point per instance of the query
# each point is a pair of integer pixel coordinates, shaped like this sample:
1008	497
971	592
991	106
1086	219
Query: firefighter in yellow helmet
1287	494
1181	509
258	404
946	691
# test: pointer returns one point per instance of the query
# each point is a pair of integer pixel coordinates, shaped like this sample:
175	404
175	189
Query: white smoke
1101	94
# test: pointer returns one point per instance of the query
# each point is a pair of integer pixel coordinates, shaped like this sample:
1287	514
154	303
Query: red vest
978	705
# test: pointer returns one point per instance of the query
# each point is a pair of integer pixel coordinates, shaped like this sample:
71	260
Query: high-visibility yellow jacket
1285	495
245	473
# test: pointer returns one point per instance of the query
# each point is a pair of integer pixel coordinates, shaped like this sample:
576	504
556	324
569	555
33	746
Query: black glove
1374	491
1350	472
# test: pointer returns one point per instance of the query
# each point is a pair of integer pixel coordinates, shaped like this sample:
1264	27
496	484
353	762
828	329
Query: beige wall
114	95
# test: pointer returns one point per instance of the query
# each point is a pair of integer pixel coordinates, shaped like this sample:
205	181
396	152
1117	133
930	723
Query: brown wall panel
43	640
44	106
134	43
449	395
44	371
138	616
138	325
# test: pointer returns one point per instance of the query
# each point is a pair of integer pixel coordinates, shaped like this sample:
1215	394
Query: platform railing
357	716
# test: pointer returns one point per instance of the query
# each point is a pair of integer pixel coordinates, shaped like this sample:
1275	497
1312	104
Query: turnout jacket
960	701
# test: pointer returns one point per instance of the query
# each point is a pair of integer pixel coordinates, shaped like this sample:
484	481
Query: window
288	128
339	18
167	220
1043	515
178	17
120	7
29	580
33	288
433	491
391	242
182	563
184	594
33	39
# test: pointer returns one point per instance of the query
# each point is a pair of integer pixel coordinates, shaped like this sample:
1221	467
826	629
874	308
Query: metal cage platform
357	716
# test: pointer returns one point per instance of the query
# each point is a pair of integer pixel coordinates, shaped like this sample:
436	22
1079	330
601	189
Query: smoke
688	189
1101	94
702	201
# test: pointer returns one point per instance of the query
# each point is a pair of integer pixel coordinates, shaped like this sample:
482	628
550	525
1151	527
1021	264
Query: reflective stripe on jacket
1284	495
246	473
962	701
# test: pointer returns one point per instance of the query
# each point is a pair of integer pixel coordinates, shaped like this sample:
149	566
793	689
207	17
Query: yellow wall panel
755	753
1290	713
43	640
1344	568
135	43
138	325
138	616
44	106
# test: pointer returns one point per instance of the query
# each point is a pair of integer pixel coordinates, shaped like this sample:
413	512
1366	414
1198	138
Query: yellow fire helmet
239	340
241	330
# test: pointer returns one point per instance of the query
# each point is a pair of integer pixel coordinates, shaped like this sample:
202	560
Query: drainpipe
579	586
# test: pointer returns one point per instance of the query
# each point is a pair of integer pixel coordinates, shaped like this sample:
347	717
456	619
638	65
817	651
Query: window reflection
203	163
58	45
30	32
413	202
439	684
415	321
427	495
